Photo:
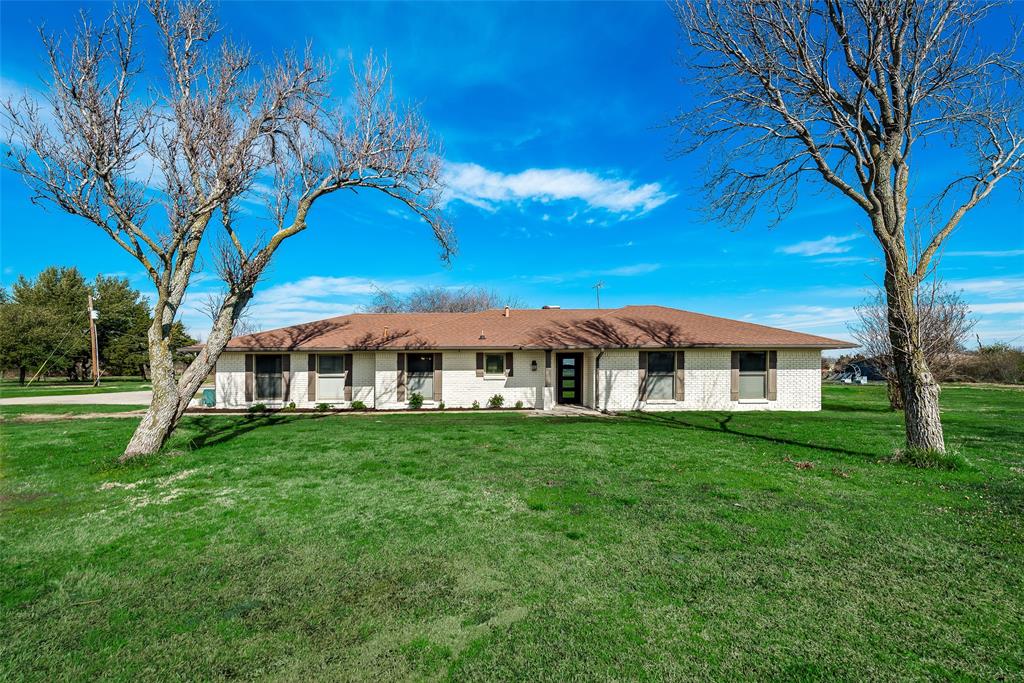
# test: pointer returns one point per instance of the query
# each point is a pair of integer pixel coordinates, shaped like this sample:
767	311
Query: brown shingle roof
627	327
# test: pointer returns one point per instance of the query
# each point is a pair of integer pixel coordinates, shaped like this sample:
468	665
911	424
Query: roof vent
385	331
507	311
550	308
482	335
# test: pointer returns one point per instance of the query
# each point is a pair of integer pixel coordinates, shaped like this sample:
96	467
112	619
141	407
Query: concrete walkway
114	398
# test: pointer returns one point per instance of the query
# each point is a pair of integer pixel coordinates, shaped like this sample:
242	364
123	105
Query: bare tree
211	305
440	299
944	323
841	93
111	143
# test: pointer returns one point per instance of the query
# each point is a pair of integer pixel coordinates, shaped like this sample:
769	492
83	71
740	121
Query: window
661	369
494	364
330	378
753	375
269	385
421	374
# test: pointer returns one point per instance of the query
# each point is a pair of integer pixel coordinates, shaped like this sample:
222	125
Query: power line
57	346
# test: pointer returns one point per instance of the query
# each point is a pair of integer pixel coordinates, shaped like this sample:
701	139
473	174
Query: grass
58	386
501	546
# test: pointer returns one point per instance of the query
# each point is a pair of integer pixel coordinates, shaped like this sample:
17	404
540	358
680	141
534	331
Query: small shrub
440	406
323	407
358	405
290	407
257	408
416	401
519	404
476	405
496	401
929	459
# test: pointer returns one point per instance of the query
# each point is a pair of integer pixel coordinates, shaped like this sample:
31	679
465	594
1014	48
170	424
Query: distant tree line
945	324
45	322
440	300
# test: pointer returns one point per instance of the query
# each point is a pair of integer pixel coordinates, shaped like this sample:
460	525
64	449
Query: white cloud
830	244
484	188
1005	307
311	298
632	270
995	287
991	254
628	271
809	317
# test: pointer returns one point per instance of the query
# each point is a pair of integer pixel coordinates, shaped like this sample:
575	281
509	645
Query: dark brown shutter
549	375
437	376
479	365
680	375
286	375
311	377
508	364
643	375
773	362
734	377
401	377
348	377
250	379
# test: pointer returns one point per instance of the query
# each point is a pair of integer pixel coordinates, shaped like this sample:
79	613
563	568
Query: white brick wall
461	386
230	380
707	381
386	381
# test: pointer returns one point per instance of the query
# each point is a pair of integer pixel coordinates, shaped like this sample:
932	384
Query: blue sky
558	161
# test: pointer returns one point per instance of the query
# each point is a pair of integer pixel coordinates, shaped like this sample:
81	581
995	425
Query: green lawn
57	387
501	546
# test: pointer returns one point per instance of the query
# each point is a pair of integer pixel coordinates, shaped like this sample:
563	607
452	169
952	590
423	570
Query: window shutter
348	377
401	377
643	375
311	377
479	365
286	375
437	376
549	375
734	377
508	364
250	379
680	375
773	361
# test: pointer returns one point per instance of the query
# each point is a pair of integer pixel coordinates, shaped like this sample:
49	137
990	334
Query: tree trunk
162	416
895	393
920	392
171	398
21	375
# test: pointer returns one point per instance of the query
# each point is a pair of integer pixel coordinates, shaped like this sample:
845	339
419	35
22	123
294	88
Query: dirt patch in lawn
52	417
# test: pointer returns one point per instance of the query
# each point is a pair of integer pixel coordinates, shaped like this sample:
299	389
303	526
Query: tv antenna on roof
597	287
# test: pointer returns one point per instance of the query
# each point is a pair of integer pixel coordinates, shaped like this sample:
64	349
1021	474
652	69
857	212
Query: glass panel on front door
568	379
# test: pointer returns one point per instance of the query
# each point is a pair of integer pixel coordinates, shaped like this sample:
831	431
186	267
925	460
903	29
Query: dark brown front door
569	367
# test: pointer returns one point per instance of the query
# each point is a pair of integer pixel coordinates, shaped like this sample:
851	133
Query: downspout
597	385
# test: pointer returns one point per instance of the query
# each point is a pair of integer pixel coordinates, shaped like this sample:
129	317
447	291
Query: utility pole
93	314
597	288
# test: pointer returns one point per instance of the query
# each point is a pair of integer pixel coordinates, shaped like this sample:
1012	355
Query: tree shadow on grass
723	427
847	408
214	430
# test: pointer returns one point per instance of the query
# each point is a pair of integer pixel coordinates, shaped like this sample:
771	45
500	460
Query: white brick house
633	358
